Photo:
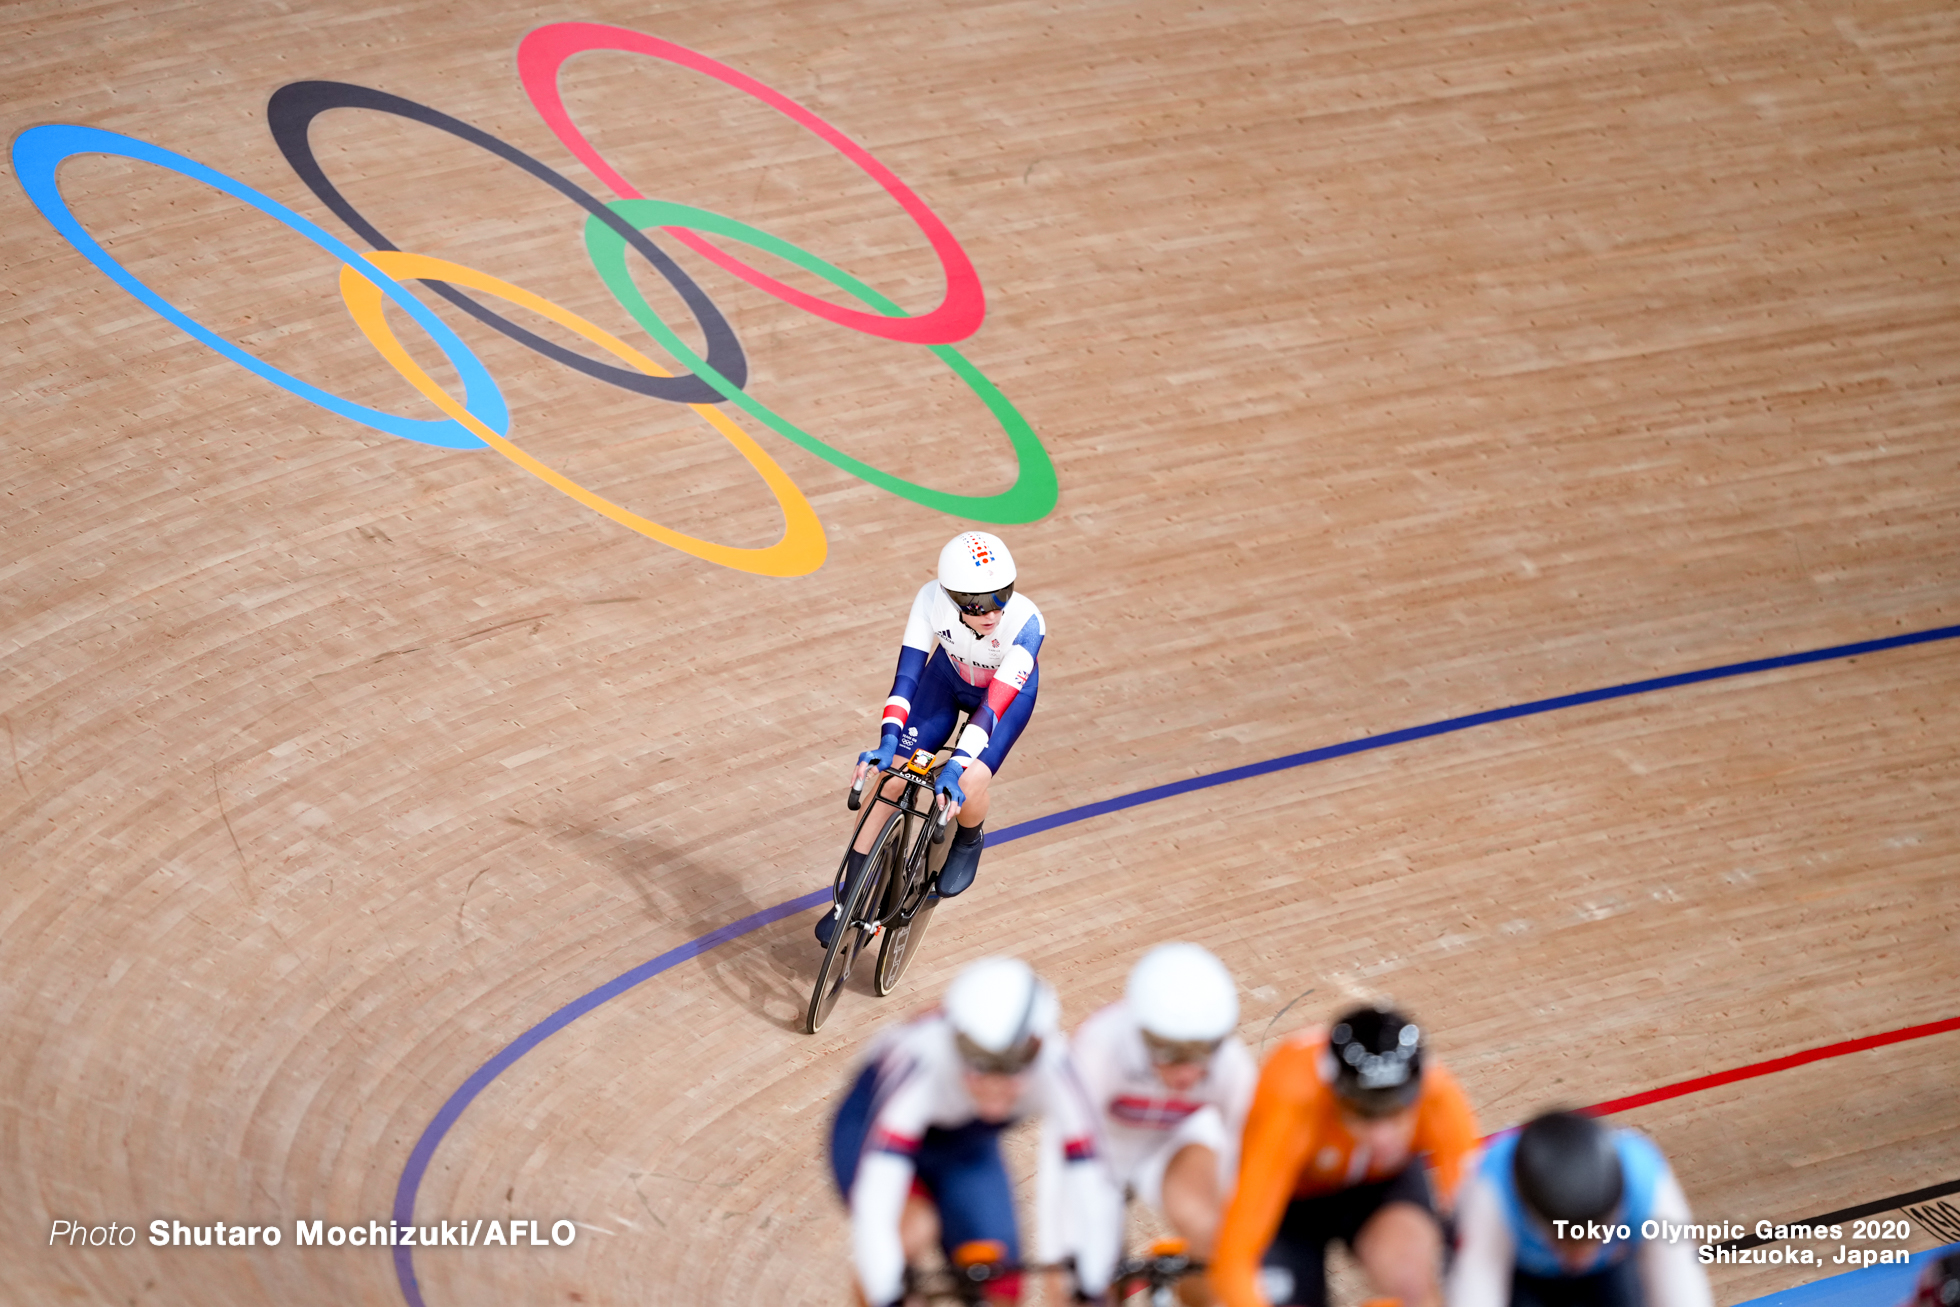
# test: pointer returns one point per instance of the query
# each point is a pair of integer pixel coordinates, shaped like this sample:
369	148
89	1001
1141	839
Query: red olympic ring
543	52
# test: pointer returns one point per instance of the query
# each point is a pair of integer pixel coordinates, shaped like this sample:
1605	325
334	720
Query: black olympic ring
291	112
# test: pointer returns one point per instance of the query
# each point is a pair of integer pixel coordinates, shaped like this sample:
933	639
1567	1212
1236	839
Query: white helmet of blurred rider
977	571
1000	1012
1184	1000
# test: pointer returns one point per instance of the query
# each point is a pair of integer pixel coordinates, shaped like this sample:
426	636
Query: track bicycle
982	1263
975	1268
894	895
1155	1274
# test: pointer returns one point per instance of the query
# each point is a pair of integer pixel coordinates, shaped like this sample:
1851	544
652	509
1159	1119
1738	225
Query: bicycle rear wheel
880	868
901	944
901	941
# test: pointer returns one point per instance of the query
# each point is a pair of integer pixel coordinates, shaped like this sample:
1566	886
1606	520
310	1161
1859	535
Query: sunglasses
1381	1104
1010	1061
1179	1052
979	605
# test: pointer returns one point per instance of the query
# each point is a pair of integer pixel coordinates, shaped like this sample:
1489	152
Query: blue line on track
1873	1286
1366	743
425	1147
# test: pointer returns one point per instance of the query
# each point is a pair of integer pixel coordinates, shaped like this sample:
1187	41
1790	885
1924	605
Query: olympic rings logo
481	417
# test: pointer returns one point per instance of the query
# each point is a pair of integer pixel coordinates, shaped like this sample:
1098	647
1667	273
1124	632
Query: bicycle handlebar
1157	1271
968	1284
855	799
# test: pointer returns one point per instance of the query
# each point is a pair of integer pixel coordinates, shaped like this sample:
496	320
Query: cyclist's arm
1091	1229
917	646
884	1180
1238	1074
1015	669
1278	1141
1053	1218
1480	1276
1670	1273
1446	1129
877	1202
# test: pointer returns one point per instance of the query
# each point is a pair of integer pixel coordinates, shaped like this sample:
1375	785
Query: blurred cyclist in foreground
915	1147
1345	1128
1540	1224
1171	1083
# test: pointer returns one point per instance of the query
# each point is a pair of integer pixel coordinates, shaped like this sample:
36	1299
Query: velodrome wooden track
1398	360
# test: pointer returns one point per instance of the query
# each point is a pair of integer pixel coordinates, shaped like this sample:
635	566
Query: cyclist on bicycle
970	642
1334	1148
1171	1082
1516	1241
915	1148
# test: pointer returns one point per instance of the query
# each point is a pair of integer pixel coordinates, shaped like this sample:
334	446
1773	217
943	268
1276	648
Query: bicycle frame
892	900
1156	1274
915	807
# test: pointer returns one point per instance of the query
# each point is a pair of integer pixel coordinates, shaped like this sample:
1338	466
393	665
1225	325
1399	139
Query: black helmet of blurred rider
1567	1168
1376	1055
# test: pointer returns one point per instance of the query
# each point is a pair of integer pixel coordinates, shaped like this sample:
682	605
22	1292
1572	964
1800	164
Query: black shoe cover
962	862
827	923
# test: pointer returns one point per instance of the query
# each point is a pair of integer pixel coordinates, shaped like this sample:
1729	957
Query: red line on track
1699	1083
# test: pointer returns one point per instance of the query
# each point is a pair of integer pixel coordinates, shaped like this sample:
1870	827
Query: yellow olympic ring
802	547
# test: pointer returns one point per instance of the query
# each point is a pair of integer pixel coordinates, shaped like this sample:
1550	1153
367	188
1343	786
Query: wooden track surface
1398	361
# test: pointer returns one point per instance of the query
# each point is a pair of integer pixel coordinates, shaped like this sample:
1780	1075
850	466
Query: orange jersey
1296	1147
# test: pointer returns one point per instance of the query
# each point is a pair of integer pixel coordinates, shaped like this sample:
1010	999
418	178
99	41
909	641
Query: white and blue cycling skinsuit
909	1120
944	667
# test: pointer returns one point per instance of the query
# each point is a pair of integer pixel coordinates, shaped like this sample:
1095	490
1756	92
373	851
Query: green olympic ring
1035	489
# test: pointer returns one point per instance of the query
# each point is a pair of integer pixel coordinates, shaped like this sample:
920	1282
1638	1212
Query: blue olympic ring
39	151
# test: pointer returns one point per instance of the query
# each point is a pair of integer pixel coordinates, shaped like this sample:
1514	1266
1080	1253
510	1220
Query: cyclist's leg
918	1225
1400	1244
967	1177
963	859
1293	1272
1000	742
935	710
1620	1285
1182	1179
969	835
1539	1291
1617	1285
854	863
885	801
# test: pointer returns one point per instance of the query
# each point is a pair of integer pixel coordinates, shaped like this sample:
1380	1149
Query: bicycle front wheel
853	928
900	944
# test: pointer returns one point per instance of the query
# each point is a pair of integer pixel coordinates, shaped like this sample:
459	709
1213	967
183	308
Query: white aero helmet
977	571
1000	1012
1184	1000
